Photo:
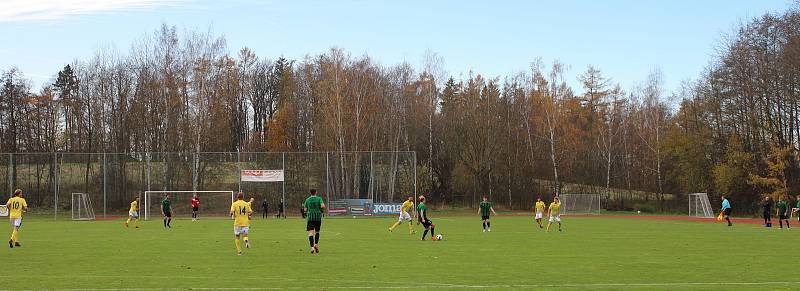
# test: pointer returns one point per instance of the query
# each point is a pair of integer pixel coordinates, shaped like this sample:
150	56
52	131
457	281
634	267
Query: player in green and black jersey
484	209
313	207
782	209
166	211
422	212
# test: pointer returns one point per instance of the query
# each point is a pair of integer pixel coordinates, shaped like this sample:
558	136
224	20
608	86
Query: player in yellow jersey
250	202
242	214
133	213
554	211
405	214
539	211
16	206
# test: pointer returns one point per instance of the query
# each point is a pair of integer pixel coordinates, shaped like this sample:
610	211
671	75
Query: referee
726	209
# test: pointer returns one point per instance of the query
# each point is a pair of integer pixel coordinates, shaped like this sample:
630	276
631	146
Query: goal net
212	203
580	203
699	206
82	207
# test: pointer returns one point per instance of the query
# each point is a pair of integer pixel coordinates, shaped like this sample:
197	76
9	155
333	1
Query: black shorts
195	208
783	217
727	212
168	214
484	217
427	223
313	225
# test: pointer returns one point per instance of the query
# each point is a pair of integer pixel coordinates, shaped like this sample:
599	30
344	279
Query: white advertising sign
262	175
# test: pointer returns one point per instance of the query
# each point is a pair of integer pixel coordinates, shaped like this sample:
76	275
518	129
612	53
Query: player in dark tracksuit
280	211
767	207
265	209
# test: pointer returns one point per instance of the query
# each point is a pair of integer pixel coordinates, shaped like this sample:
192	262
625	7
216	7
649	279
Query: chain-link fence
113	179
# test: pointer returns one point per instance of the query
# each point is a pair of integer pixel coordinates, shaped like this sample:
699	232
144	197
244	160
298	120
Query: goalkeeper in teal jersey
313	207
485	209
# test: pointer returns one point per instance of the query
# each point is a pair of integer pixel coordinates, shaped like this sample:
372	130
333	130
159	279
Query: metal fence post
105	183
415	176
195	170
10	175
371	179
327	178
283	183
239	167
55	185
147	172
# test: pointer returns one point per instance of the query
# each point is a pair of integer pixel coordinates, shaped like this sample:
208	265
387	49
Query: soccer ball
439	237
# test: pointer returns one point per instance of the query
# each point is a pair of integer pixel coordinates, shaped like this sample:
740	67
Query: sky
625	39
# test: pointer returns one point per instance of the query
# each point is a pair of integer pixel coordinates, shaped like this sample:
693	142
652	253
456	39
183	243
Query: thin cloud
43	10
37	76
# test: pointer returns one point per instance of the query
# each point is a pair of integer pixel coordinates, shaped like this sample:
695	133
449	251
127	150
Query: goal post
212	203
81	207
699	206
580	203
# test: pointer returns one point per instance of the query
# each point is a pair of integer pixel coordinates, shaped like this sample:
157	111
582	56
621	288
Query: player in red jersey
195	206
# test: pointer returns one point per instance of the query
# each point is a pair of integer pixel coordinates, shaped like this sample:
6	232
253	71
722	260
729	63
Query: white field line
404	285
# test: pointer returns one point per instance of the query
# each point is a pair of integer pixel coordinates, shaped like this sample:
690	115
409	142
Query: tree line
734	130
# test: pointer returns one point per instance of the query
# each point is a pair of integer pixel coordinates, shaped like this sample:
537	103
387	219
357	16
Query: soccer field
591	253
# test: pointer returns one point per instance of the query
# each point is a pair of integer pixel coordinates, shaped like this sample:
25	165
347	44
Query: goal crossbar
149	193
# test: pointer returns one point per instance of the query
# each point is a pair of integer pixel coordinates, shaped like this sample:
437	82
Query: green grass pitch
591	253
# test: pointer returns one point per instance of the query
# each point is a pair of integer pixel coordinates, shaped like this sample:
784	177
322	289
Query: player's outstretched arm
492	209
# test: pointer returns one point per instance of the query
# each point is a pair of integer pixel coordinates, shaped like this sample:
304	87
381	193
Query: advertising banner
262	175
